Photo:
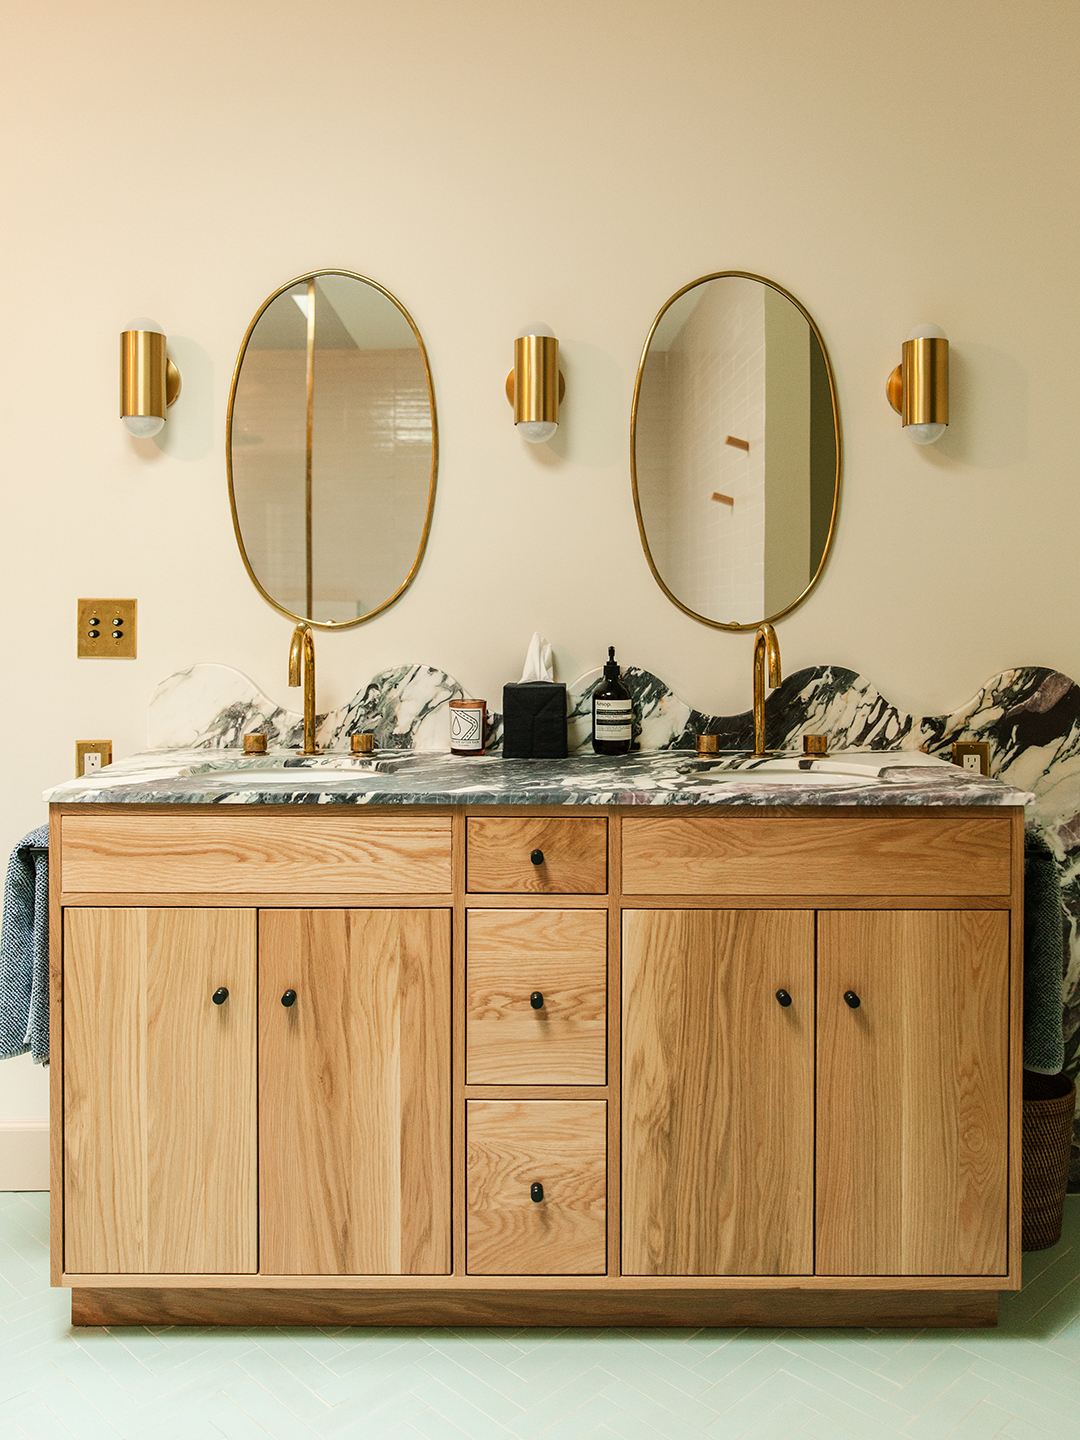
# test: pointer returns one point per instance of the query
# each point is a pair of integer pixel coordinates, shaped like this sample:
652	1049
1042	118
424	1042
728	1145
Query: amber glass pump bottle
612	712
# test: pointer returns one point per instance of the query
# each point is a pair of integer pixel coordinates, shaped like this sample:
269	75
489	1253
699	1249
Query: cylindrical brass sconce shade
149	382
925	373
536	386
918	388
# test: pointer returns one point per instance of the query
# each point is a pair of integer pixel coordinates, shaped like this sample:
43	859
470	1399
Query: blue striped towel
24	950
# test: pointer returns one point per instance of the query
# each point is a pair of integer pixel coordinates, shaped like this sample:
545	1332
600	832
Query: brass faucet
302	666
766	646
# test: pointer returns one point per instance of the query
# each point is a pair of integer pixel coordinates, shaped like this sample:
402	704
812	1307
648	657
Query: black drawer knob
850	998
536	1000
536	1192
537	857
220	996
289	998
783	997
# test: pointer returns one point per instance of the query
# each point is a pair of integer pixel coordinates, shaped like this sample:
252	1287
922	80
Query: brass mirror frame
307	278
779	614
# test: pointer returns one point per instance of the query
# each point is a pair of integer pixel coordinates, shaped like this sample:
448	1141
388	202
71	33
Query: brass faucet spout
302	670
766	649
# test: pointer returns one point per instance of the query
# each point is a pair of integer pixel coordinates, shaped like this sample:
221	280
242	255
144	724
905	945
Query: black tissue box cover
534	720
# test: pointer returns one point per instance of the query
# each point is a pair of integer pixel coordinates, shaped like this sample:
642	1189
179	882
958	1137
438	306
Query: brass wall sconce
535	387
149	381
918	388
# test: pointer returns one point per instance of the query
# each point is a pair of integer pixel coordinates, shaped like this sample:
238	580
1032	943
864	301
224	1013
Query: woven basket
1049	1106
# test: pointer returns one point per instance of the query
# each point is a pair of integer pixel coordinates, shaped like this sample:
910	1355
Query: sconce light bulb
924	434
143	426
537	432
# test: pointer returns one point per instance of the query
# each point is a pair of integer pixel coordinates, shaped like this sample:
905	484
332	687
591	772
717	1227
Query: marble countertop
414	777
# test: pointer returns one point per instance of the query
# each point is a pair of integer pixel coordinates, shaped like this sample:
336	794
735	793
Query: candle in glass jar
468	721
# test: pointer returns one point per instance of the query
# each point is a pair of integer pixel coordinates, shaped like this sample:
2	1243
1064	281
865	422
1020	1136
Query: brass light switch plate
106	630
91	756
973	755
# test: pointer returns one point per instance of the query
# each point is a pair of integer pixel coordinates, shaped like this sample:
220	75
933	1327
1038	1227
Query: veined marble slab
668	777
215	706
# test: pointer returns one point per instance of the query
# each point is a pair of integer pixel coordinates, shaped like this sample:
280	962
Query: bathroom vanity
682	1059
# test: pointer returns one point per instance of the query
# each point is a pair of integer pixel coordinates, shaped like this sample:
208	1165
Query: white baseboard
24	1154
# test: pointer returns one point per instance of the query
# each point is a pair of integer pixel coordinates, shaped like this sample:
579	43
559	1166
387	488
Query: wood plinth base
967	1309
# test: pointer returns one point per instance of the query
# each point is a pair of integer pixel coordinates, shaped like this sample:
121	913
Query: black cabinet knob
220	996
537	857
783	997
536	1000
536	1192
850	998
289	998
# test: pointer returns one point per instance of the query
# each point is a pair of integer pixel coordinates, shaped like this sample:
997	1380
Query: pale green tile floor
1020	1381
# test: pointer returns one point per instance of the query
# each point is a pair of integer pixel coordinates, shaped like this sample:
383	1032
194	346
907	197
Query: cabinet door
718	1092
912	1092
354	1092
159	1091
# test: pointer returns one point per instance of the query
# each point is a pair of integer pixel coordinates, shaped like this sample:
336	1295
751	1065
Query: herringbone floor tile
1020	1382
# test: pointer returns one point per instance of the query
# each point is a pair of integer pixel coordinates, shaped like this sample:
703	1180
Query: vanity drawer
573	851
562	1146
279	854
515	954
816	854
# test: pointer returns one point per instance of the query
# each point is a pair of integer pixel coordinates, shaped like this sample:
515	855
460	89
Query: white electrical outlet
91	756
973	762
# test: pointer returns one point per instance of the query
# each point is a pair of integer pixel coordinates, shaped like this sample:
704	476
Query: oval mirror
332	448
735	450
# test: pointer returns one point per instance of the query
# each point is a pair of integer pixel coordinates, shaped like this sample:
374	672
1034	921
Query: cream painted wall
888	165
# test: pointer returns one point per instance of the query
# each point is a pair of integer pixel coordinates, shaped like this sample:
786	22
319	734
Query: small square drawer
536	1007
537	854
536	1184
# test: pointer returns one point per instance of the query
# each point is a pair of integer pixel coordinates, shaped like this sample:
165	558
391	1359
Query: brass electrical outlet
106	630
972	755
92	755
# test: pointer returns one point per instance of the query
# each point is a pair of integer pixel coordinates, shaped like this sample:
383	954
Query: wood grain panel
561	1144
562	954
717	1092
159	1090
272	854
912	1093
264	1280
354	1092
574	849
550	1308
817	854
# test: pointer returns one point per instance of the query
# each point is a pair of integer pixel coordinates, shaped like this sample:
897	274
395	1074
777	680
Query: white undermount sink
841	767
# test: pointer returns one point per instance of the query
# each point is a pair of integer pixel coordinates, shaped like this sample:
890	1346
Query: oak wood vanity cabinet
683	1065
